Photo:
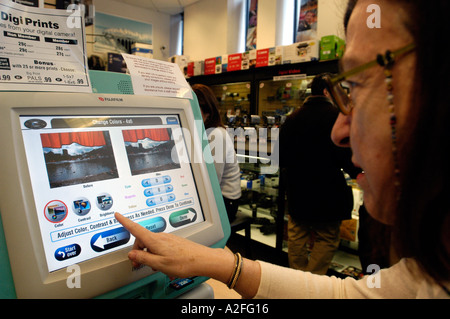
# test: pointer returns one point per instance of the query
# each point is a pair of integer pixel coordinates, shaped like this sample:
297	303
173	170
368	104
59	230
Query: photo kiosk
69	161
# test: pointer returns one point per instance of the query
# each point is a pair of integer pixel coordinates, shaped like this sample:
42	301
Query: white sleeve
284	283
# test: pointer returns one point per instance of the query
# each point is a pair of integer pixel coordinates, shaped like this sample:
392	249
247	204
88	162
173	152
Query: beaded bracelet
236	271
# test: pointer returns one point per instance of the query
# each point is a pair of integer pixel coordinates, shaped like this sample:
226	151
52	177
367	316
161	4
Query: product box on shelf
199	68
331	47
250	184
215	65
235	62
116	63
181	61
271	181
301	52
210	66
223	66
195	68
190	69
269	56
142	49
248	59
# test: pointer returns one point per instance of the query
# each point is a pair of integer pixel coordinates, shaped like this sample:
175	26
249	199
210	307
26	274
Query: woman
397	128
222	149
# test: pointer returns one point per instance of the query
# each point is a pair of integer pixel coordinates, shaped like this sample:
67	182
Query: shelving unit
254	76
268	92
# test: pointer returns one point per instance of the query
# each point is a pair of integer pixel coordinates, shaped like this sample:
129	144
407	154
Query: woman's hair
422	222
209	105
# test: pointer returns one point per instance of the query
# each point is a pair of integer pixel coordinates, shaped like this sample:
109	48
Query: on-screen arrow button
110	239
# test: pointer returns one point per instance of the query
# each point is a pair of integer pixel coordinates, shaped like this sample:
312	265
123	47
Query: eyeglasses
338	91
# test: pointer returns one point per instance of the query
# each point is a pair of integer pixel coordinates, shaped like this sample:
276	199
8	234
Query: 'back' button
110	239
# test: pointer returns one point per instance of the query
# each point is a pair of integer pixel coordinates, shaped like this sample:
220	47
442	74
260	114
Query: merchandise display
116	63
235	62
182	62
195	68
248	59
213	65
328	48
142	49
269	57
271	102
331	47
301	52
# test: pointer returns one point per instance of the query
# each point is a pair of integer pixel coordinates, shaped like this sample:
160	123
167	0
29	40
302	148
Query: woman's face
367	129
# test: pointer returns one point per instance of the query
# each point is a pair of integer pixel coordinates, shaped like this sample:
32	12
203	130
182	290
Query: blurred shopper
317	193
222	149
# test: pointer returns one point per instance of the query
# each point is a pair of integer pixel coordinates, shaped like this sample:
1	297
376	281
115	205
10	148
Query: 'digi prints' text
28	21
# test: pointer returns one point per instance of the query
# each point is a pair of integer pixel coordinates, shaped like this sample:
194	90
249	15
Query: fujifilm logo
110	99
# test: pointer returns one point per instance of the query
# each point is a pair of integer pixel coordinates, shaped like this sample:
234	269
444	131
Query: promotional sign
157	78
42	49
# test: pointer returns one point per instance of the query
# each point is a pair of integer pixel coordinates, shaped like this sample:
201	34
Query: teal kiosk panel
70	160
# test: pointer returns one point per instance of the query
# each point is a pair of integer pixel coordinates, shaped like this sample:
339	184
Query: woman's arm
179	257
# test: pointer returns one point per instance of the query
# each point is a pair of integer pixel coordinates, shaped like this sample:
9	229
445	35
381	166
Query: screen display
85	168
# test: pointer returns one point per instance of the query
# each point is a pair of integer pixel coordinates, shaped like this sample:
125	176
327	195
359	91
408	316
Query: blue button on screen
67	252
172	120
156	225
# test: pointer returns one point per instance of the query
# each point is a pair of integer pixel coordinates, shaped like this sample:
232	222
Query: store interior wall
217	27
331	17
207	31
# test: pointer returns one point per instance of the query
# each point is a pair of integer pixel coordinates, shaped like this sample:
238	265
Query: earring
387	61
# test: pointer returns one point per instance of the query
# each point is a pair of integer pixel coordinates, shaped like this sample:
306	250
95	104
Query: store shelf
267	73
269	93
251	79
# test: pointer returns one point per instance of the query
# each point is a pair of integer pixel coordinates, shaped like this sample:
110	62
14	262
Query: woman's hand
182	258
170	254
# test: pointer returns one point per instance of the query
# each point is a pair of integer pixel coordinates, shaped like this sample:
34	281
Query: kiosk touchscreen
69	161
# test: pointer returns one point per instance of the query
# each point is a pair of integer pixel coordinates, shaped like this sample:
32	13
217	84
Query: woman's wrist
248	284
221	264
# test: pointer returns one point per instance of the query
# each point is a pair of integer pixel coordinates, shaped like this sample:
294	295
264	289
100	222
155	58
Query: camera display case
254	104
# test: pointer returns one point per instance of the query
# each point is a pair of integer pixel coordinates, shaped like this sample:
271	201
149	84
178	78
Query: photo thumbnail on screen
150	150
78	157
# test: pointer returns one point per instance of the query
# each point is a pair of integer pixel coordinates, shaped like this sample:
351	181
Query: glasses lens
338	95
341	97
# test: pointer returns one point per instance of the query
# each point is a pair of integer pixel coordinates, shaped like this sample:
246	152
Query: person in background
373	236
222	149
317	192
396	124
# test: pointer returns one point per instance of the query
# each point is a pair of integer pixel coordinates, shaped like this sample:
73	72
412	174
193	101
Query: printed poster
42	49
252	23
118	34
307	24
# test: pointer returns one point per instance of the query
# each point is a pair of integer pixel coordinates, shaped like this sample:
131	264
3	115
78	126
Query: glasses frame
340	97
